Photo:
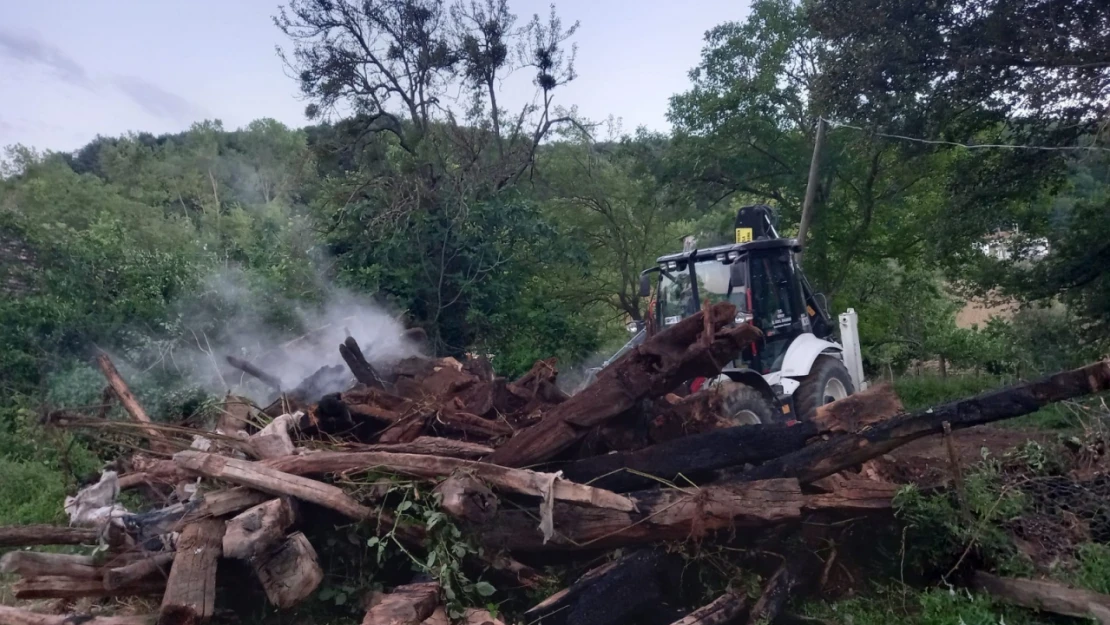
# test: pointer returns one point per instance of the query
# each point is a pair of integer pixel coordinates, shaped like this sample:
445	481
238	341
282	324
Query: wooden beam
191	589
31	535
520	481
269	480
55	587
429	446
37	564
128	401
666	514
257	529
290	572
154	566
405	605
846	451
1045	596
16	616
679	353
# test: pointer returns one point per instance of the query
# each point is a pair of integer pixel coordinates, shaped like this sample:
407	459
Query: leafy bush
907	606
940	531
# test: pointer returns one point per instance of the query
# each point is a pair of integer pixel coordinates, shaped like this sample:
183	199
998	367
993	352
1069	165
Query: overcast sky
73	69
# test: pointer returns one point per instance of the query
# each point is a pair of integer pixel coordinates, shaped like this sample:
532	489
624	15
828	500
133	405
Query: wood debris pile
527	473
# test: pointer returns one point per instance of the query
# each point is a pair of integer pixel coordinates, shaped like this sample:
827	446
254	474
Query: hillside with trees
413	191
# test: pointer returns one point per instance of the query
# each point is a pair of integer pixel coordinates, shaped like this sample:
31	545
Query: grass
918	392
896	605
30	492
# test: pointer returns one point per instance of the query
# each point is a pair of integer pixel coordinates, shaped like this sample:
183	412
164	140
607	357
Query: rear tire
828	381
744	405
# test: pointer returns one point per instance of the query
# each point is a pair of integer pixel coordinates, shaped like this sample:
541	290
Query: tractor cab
797	365
757	274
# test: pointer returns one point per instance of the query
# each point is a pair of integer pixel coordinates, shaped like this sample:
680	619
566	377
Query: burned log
31	535
289	572
612	593
692	457
721	611
520	481
848	450
16	616
682	352
1045	596
258	529
406	605
796	570
191	588
269	380
363	371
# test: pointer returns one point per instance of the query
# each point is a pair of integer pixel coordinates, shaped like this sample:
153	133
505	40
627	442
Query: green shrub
30	492
1093	572
922	391
906	606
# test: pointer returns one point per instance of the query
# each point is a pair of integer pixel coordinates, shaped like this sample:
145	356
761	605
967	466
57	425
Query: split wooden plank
429	446
56	587
191	589
520	481
31	535
256	530
154	566
273	441
667	514
16	616
290	572
1045	596
270	480
843	452
128	401
721	611
652	369
405	605
37	564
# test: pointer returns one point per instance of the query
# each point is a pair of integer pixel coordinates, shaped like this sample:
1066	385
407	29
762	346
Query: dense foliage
520	233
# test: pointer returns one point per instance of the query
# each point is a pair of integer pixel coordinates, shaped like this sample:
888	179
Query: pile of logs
533	475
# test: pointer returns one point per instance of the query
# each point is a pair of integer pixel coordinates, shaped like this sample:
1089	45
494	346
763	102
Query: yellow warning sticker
743	235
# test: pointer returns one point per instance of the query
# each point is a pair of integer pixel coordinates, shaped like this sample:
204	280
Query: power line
1049	148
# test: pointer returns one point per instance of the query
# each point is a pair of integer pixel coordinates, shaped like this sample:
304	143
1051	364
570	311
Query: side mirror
645	285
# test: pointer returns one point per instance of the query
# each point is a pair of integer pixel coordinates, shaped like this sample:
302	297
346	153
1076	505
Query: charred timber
696	346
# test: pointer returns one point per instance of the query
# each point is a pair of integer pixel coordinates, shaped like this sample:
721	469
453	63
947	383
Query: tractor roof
711	253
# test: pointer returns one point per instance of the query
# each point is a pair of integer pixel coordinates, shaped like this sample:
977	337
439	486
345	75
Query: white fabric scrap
95	506
547	506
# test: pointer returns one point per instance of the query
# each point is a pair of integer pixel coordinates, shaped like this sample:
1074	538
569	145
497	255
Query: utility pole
811	185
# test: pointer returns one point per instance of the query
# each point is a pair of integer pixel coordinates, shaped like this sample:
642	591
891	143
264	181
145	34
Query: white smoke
286	339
